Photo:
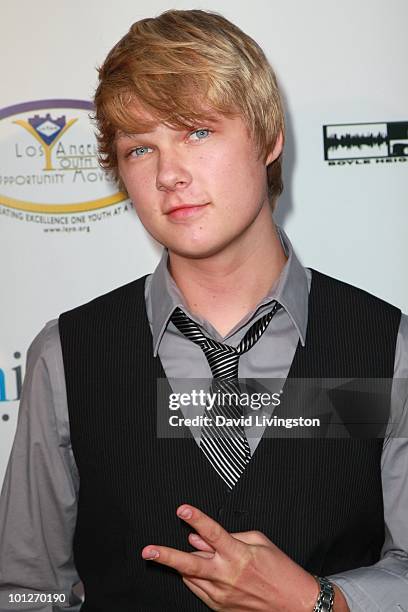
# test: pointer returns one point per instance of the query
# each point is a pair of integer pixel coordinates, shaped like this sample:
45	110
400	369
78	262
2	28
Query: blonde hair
177	65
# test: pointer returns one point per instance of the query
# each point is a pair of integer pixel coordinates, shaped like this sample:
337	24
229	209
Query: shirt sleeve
38	504
383	587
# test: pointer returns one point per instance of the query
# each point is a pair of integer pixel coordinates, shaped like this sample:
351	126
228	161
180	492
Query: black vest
319	500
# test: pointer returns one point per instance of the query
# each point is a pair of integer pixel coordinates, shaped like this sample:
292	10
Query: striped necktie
226	448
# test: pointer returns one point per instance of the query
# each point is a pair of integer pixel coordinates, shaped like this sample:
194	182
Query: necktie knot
222	358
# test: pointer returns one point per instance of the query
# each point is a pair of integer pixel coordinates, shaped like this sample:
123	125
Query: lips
185	212
181	207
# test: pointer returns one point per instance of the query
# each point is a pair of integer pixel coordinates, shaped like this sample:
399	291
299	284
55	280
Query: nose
172	172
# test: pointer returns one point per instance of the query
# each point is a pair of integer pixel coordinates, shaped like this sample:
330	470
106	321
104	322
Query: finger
252	537
209	530
248	537
203	554
198	542
185	563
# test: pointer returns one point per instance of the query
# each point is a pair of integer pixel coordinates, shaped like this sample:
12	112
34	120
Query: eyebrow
210	120
134	135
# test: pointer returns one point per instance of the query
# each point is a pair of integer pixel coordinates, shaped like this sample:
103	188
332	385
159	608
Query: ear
277	150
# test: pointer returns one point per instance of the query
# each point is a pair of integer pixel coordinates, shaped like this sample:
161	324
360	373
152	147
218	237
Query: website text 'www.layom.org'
249	401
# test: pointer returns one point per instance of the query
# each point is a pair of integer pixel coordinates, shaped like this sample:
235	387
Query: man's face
196	191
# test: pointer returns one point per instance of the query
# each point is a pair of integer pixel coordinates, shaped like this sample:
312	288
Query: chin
195	251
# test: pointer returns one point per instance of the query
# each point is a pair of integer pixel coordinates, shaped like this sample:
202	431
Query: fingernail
185	513
152	554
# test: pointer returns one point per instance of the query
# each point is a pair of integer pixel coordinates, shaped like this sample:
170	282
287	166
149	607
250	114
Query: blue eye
140	151
201	134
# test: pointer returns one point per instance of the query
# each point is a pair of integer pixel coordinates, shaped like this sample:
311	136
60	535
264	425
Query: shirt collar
290	290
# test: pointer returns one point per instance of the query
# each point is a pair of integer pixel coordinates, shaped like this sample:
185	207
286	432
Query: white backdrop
337	63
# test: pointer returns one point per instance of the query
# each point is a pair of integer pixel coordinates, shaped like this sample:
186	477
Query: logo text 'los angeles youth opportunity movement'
49	159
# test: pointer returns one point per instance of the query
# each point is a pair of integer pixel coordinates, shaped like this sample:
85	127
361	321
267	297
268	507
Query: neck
225	286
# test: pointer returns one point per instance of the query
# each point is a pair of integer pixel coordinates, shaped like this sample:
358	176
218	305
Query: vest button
220	512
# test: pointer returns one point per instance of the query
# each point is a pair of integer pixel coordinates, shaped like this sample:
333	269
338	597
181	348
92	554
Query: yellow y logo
47	147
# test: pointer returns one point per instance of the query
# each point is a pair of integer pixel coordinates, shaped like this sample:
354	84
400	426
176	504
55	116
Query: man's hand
241	572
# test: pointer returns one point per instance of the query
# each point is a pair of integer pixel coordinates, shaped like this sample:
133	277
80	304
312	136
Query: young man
191	125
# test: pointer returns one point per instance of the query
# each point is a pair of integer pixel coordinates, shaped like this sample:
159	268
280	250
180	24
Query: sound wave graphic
358	140
348	141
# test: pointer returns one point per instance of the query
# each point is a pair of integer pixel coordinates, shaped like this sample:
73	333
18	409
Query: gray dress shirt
38	505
